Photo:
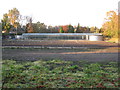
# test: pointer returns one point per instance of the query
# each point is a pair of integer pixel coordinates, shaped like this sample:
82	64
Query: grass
114	40
59	74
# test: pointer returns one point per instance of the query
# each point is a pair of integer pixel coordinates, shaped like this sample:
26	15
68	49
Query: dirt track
110	53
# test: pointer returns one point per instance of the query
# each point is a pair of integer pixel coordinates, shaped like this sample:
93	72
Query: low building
64	36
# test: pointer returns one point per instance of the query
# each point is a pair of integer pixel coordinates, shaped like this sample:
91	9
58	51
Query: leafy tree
36	28
110	27
5	23
55	29
40	28
13	16
11	20
65	28
87	29
61	30
97	30
78	27
29	25
70	29
92	29
43	27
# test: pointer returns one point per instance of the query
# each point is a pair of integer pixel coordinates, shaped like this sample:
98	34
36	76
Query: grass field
59	74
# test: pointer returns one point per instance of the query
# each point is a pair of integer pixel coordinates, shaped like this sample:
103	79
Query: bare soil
97	50
59	43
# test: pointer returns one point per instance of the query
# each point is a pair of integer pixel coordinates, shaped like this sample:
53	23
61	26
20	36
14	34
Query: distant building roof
61	34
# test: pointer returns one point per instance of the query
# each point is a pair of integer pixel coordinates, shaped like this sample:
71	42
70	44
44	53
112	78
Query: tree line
14	22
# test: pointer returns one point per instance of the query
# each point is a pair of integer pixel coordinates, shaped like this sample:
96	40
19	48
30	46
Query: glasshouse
64	36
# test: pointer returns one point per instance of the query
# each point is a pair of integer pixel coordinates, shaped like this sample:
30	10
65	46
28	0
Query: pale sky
62	12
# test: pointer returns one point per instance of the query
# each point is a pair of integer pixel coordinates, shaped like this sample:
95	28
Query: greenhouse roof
61	34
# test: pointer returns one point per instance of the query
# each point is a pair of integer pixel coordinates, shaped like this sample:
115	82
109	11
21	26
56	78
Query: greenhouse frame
63	36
